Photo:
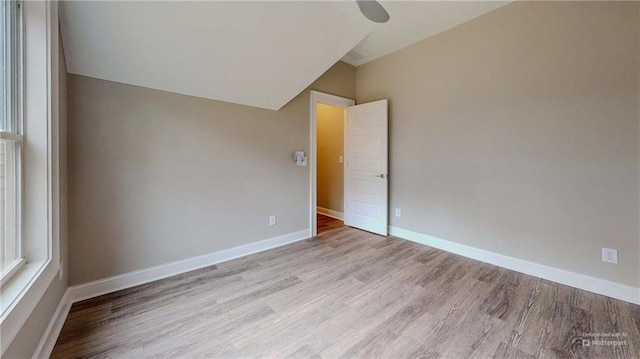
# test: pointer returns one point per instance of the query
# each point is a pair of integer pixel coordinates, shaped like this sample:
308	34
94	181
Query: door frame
327	99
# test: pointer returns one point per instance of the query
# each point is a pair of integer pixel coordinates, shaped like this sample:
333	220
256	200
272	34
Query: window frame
41	209
13	133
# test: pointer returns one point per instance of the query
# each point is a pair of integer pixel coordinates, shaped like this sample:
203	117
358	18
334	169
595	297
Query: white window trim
12	269
10	136
40	225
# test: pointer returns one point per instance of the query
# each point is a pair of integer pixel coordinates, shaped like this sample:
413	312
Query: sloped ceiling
255	53
259	54
412	21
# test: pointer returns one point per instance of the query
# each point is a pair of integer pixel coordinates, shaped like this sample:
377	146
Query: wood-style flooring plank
349	293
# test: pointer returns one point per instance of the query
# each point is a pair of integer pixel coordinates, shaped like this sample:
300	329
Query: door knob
380	175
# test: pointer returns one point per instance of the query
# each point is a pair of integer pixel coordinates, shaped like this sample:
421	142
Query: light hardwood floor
349	293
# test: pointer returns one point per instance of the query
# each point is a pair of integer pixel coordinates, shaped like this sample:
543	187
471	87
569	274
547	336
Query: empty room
320	179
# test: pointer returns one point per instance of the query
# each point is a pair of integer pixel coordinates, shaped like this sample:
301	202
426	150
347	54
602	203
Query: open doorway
365	149
330	170
327	160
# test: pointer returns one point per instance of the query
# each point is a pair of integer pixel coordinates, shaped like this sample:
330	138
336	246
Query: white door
366	175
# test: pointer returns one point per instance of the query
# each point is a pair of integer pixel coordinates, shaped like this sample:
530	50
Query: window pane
4	67
9	249
3	248
9	241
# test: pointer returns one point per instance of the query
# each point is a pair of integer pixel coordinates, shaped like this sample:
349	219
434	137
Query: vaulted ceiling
254	53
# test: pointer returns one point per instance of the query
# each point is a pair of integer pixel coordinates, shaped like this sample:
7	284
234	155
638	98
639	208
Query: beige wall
518	133
26	342
330	147
157	177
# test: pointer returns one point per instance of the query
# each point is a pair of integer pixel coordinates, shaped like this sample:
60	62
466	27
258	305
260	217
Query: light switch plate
299	158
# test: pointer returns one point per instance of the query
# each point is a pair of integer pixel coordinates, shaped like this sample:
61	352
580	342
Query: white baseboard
596	285
51	333
127	280
142	276
330	213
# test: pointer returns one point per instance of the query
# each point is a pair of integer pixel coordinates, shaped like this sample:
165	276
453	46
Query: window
10	140
30	182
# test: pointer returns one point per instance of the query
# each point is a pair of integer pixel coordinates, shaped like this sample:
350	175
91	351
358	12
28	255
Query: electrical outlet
272	220
398	212
610	255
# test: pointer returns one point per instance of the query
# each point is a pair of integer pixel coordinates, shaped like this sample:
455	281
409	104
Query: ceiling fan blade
373	11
